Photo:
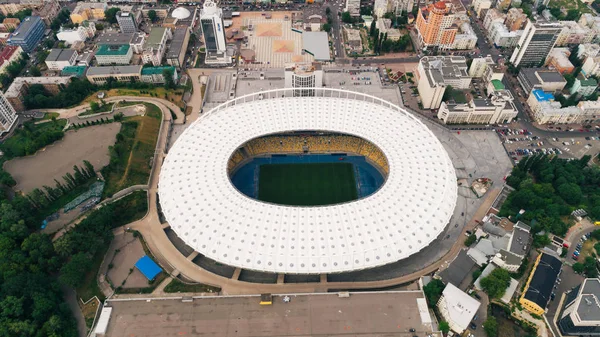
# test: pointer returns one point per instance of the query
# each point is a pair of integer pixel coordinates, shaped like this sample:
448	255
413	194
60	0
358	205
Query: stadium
330	183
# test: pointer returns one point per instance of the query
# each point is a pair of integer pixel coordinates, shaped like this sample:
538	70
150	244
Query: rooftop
77	71
156	70
519	243
589	305
156	36
316	44
176	46
458	269
442	68
25	26
110	50
587	82
18	82
461	307
542	281
498	85
113	38
60	55
542	96
114	70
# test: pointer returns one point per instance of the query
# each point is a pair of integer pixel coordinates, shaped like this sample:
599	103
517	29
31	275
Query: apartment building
574	33
497	109
436	25
88	11
584	86
48	11
8	115
19	88
548	80
156	45
515	19
435	73
558	59
591	66
457	308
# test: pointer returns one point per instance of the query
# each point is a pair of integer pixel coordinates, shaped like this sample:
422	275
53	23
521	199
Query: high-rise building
211	21
8	115
29	33
536	42
127	22
435	25
402	6
581	311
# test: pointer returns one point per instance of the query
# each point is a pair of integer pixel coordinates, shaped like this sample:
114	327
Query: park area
307	184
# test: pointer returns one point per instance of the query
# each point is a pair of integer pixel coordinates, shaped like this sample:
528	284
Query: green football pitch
307	184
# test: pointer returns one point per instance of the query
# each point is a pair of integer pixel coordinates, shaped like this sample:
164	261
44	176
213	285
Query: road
336	29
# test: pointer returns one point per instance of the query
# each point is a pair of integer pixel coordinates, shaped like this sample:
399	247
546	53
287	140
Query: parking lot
364	314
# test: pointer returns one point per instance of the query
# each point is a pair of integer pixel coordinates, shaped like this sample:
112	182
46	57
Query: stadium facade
408	212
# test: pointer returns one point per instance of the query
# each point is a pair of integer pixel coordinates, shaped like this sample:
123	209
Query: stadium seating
279	144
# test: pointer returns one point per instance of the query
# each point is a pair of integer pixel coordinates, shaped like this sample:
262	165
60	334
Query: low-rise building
584	86
588	50
498	109
540	284
385	26
114	54
48	11
479	64
493	15
479	6
156	74
8	115
457	308
175	55
558	59
8	55
580	313
83	32
10	24
501	36
19	88
591	66
99	75
88	11
435	73
155	47
465	38
353	37
74	71
137	42
29	33
304	77
540	78
60	58
114	38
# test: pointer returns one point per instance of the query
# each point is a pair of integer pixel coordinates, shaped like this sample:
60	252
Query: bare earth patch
57	159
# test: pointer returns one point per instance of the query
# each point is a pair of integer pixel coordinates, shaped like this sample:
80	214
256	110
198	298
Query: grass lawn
50	115
131	156
106	107
174	96
177	286
569	4
32	137
587	249
307	184
459	97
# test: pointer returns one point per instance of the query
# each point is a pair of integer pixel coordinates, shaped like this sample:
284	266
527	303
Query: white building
591	66
137	42
592	22
213	31
85	31
457	308
480	5
8	115
479	65
385	27
114	54
492	16
403	6
498	109
588	50
574	33
500	36
435	73
547	111
465	38
60	58
353	7
303	75
380	8
156	45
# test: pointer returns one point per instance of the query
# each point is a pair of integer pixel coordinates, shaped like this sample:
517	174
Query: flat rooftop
364	314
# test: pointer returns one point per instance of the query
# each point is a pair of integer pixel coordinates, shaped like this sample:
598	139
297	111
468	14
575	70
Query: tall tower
211	20
127	22
8	115
537	41
435	25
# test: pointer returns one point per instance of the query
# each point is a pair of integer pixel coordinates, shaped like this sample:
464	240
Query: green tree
168	76
327	11
35	72
578	268
540	241
433	292
470	240
346	17
152	15
71	273
491	326
94	106
110	15
327	27
496	282
444	327
372	28
99	26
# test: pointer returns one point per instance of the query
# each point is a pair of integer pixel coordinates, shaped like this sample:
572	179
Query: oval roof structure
403	217
181	13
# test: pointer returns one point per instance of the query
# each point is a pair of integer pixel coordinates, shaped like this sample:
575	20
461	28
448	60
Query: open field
307	184
569	4
57	159
132	155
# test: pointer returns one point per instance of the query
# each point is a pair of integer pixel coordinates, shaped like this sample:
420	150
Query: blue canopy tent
148	267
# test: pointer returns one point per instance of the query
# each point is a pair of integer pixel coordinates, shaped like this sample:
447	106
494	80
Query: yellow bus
597	223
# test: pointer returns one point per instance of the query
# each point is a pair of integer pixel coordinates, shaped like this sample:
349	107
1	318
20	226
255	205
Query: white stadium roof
409	211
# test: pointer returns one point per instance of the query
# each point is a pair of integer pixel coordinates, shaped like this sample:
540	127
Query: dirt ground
130	251
57	159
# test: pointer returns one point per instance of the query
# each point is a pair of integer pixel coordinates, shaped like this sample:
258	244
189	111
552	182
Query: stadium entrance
308	168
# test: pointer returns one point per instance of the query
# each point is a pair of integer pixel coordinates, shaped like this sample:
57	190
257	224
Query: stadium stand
330	143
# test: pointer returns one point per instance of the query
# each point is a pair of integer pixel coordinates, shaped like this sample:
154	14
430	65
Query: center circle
308	168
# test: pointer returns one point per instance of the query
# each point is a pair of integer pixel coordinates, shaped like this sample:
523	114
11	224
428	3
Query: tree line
549	188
